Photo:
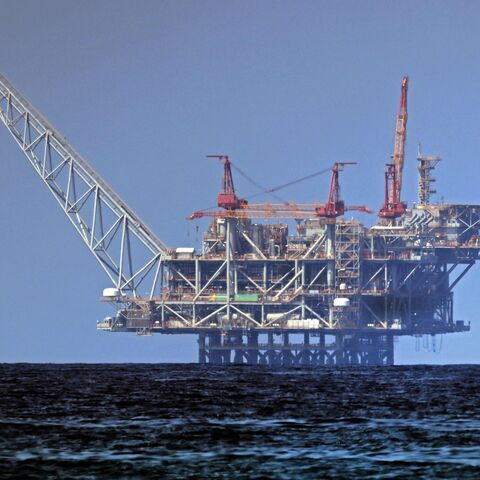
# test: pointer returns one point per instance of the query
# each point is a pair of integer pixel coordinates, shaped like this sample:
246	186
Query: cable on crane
253	182
293	182
274	189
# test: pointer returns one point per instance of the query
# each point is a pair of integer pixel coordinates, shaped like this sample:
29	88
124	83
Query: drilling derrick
393	207
346	290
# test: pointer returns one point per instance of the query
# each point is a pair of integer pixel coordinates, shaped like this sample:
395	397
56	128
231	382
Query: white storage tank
341	302
307	323
175	324
223	317
275	317
313	323
111	292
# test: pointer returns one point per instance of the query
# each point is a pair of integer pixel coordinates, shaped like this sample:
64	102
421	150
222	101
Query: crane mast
335	206
393	207
227	198
400	137
241	209
124	246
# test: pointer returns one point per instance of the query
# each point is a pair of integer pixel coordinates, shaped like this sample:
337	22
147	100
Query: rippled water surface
192	421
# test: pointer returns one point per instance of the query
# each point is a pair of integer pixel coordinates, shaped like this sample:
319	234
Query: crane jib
126	248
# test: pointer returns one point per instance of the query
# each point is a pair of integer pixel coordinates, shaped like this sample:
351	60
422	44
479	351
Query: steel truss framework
262	293
127	250
393	279
419	295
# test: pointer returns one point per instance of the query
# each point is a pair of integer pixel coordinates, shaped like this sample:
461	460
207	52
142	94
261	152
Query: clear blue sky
144	89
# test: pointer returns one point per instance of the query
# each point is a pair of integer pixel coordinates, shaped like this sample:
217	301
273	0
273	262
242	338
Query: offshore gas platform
332	292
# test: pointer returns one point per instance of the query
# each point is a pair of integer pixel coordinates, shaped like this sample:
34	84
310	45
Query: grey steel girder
125	247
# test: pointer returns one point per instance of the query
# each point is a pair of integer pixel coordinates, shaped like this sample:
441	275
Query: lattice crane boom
126	248
393	207
400	136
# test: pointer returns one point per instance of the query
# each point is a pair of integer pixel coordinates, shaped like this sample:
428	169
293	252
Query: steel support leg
374	351
252	350
321	355
214	342
271	350
305	357
339	350
237	340
227	352
390	350
202	356
286	352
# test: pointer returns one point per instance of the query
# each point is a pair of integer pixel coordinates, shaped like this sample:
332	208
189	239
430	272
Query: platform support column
202	356
390	350
252	348
374	351
305	356
321	347
286	352
214	345
271	350
237	341
226	351
339	350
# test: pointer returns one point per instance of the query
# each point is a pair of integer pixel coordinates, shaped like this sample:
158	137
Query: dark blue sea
191	421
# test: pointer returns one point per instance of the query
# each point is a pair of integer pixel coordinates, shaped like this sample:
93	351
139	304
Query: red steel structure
393	207
227	198
241	209
335	207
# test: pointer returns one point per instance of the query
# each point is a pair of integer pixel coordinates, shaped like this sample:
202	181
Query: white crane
125	247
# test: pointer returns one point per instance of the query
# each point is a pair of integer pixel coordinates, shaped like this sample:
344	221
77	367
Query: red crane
227	198
393	207
239	208
334	207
